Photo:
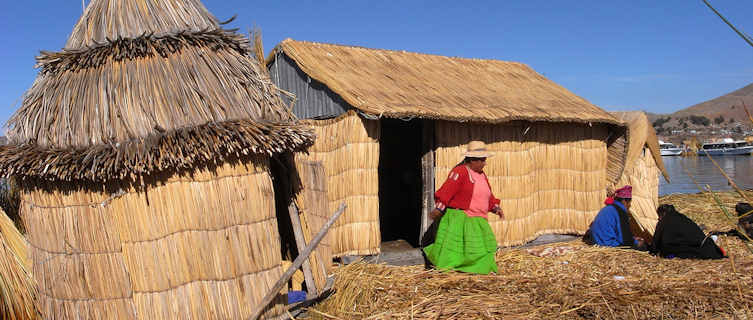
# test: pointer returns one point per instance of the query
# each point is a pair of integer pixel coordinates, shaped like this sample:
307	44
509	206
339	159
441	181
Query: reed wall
348	147
643	175
313	208
199	245
550	177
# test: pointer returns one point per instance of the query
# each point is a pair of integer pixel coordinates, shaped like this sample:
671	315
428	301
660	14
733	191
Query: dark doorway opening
400	184
280	169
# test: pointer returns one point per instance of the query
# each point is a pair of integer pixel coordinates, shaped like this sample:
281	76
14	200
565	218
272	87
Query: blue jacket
605	229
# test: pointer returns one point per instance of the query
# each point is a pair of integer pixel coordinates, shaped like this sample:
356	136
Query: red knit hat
625	192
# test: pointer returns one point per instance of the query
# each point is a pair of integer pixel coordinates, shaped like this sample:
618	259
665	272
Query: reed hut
392	124
643	167
142	152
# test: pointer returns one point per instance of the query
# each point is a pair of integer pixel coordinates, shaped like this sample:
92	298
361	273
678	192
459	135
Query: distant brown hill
728	106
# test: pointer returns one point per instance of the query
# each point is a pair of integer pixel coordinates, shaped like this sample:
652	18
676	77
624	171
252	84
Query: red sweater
457	190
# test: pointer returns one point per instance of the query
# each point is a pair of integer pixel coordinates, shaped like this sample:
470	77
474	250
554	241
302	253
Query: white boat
726	147
669	149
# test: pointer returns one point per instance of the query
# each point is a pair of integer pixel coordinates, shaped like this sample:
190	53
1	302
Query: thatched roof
399	84
641	134
144	86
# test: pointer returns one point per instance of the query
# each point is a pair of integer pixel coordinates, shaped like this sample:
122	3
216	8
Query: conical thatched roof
399	84
144	86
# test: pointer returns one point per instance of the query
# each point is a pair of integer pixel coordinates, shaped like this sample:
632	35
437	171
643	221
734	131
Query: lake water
739	168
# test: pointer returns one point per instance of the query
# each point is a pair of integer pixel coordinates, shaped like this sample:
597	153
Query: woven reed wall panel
617	154
202	246
643	175
348	147
314	210
551	178
77	259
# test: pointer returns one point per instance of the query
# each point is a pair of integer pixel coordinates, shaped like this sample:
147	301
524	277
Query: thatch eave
89	98
181	148
145	45
435	116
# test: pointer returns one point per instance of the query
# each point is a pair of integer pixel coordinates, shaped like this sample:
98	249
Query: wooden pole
302	256
427	175
317	256
300	242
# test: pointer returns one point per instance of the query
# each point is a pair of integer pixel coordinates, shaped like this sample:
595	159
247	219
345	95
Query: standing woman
465	241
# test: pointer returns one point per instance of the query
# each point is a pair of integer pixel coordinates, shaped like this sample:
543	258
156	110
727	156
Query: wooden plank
300	242
427	175
316	257
313	206
302	256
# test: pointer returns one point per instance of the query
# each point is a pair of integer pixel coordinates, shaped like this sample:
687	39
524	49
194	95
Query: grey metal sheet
313	99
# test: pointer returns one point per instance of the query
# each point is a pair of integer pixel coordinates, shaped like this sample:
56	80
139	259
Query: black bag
588	238
431	233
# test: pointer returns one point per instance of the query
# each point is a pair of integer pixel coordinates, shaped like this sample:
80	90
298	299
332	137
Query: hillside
723	116
729	106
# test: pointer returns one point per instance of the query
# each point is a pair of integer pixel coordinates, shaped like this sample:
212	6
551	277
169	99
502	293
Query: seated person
745	219
611	227
678	236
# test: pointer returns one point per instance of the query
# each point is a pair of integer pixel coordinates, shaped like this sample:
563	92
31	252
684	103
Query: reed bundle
588	283
10	201
348	147
18	293
551	177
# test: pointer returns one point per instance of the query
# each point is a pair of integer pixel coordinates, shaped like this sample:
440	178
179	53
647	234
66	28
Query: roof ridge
288	40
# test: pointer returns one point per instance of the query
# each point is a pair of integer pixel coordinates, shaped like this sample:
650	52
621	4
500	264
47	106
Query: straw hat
477	149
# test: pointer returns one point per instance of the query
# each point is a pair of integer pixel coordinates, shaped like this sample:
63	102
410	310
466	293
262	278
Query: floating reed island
574	281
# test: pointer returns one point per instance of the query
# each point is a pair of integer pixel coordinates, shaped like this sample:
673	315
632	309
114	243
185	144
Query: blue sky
659	56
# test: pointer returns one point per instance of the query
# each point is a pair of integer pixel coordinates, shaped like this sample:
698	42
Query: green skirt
464	244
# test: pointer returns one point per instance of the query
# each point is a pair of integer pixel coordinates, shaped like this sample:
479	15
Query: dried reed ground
584	284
